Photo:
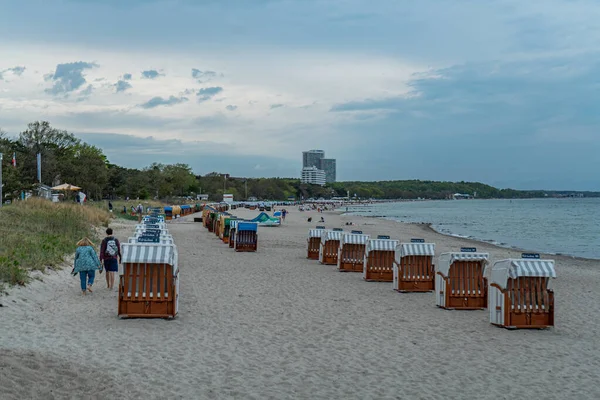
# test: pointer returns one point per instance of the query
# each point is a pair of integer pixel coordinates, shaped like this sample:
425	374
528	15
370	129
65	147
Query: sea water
569	226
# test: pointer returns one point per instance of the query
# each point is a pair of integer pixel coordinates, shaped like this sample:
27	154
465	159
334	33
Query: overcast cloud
503	92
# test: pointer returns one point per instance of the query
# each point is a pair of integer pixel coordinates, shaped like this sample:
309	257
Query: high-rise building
315	166
312	158
328	165
313	175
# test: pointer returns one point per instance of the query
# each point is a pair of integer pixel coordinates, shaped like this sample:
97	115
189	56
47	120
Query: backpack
111	248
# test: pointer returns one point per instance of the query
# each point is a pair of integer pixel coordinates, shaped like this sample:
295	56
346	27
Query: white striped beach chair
148	281
379	260
520	293
460	282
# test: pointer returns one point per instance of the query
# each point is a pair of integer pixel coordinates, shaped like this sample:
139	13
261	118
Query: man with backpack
110	254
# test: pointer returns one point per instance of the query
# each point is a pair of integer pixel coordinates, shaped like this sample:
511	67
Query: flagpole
1	194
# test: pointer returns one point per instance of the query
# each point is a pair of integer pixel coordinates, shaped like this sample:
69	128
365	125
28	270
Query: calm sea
569	226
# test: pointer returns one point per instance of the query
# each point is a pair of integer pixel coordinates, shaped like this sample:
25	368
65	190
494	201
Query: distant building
312	158
313	175
315	159
328	165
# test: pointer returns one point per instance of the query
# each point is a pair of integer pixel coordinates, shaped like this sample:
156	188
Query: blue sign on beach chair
148	239
534	256
468	250
383	236
357	232
320	227
417	240
338	229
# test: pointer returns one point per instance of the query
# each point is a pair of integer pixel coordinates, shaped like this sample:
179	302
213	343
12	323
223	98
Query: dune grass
36	234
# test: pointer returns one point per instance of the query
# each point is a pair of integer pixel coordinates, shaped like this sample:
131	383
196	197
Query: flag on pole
14	160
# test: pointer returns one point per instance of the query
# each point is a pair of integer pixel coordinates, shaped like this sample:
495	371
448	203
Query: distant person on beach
140	212
322	219
86	264
283	213
110	254
309	219
110	206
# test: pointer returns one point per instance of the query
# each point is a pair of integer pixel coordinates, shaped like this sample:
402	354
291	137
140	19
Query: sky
503	92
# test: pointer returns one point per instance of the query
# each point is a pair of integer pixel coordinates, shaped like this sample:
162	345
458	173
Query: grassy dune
36	234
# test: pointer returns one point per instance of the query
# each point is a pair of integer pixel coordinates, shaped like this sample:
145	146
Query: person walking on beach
110	254
140	212
86	264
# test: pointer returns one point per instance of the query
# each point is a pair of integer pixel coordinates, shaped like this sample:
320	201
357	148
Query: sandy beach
274	325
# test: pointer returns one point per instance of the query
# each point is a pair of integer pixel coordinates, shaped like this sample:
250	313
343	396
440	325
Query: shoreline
429	227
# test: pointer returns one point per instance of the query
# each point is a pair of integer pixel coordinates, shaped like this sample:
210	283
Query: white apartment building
313	175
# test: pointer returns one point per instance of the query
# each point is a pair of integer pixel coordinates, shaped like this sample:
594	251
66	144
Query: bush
36	234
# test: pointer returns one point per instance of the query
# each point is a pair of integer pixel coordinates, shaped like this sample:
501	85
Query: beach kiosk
246	238
329	246
460	281
314	242
148	281
351	255
379	259
520	293
413	267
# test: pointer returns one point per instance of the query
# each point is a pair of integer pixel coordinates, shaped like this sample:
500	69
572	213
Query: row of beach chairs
173	212
240	235
149	274
517	292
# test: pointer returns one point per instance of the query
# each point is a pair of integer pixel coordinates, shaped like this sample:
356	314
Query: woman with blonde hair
86	263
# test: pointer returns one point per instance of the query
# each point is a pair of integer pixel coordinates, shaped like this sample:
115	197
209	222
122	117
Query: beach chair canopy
315	233
247	226
330	235
447	259
514	268
353	238
416	249
381	245
150	253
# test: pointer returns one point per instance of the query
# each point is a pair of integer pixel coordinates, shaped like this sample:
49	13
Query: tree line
67	159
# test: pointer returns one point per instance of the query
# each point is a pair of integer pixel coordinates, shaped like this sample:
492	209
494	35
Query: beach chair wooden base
465	287
350	267
330	252
351	258
331	260
232	238
379	277
246	241
225	240
147	291
455	302
414	274
528	304
379	267
415	286
313	248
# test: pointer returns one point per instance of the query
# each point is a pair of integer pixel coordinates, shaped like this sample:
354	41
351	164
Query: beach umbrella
66	186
